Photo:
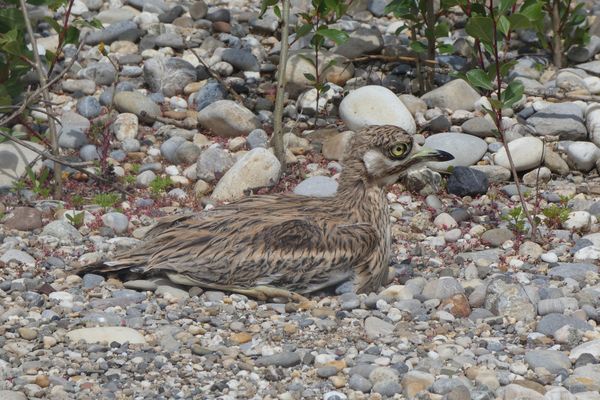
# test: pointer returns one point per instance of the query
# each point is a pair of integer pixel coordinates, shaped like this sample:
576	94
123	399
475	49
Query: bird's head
385	152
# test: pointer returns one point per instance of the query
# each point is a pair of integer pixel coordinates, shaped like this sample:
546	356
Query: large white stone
526	154
14	159
592	347
466	149
107	334
375	105
593	123
584	155
257	168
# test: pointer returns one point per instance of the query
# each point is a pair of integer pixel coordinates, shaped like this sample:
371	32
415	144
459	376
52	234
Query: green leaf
418	47
504	25
11	18
478	78
72	35
512	94
507	66
481	28
441	30
336	35
519	21
505	5
310	77
496	104
52	22
303	30
401	29
534	12
277	11
445	48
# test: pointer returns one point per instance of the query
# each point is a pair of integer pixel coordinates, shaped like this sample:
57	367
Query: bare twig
167	121
46	96
216	76
277	138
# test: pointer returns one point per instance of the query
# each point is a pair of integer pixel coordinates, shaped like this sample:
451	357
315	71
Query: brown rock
241	337
42	381
221	26
457	305
25	219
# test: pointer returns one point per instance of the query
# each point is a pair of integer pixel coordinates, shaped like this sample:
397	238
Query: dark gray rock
73	131
257	138
241	59
564	120
170	15
466	181
211	92
172	40
285	359
198	10
553	360
124	30
213	163
577	271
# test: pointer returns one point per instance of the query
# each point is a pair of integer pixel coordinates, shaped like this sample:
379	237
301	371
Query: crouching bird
286	245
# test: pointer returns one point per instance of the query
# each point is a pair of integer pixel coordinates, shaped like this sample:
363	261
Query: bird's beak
426	154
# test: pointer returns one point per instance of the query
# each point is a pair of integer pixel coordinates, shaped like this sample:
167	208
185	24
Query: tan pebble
73	280
49	342
338	364
114	282
28	333
338	381
290	328
241	337
42	381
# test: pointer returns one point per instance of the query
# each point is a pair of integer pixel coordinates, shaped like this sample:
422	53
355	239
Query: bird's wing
303	255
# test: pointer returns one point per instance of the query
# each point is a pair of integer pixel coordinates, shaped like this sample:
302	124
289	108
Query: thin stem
277	139
46	96
556	39
61	36
498	121
420	77
317	75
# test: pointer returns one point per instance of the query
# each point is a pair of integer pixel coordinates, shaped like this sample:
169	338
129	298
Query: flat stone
577	271
117	31
564	120
63	231
496	236
24	219
550	323
298	65
592	347
285	359
455	95
376	327
135	103
227	118
360	42
584	155
19	256
317	186
107	334
554	361
73	130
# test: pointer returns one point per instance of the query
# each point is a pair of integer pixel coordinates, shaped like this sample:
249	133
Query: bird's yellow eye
398	150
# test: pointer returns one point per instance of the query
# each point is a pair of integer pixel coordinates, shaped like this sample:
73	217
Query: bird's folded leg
269	292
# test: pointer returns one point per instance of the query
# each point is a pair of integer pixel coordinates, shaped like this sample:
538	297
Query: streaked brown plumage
282	244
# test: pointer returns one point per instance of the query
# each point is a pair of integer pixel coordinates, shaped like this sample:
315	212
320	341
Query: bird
288	245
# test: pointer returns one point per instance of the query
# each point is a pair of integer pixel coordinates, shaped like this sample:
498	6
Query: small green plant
516	220
159	185
135	168
106	200
129	179
77	200
556	215
76	219
39	184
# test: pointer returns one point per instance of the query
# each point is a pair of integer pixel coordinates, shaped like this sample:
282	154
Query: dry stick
277	138
75	166
167	121
46	96
216	76
33	97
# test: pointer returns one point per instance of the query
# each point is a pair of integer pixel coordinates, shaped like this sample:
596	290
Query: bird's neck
359	193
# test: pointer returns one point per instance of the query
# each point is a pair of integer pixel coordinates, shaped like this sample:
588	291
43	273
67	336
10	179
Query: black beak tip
444	155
